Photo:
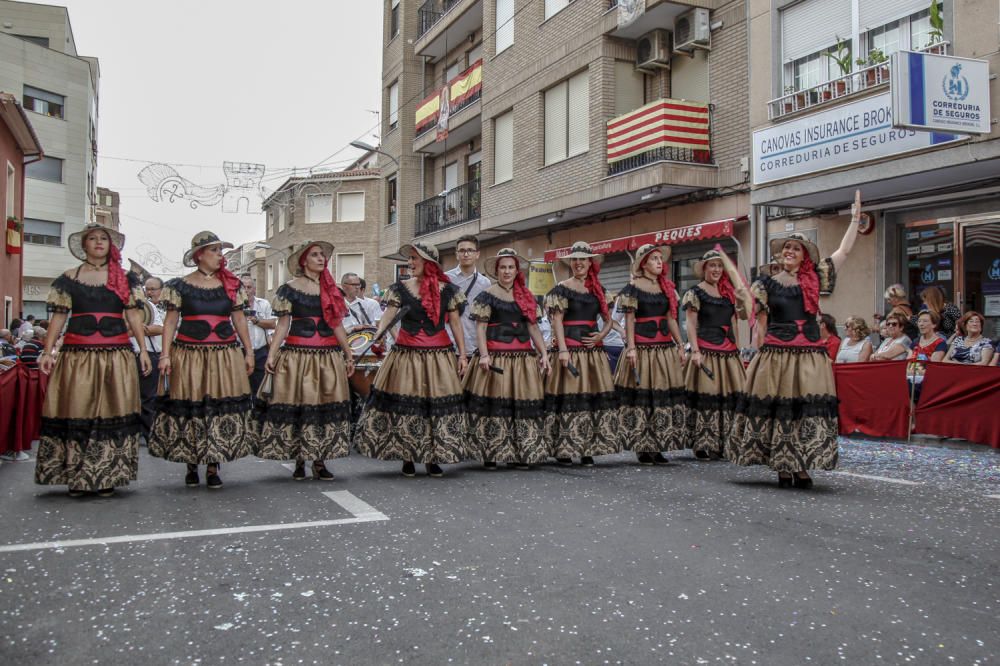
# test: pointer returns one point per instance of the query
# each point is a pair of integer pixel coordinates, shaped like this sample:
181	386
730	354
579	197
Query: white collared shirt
262	310
471	286
154	343
362	312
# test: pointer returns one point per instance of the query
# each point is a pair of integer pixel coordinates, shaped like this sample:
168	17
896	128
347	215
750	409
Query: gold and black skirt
581	413
204	418
308	416
507	411
786	418
415	411
90	420
652	412
711	403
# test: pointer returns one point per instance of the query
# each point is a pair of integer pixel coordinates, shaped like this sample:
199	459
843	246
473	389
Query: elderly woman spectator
929	346
899	304
7	343
969	346
856	347
828	334
932	300
33	348
23	337
896	345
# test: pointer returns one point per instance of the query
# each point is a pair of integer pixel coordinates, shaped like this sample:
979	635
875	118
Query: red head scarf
230	282
430	289
666	285
332	302
117	280
525	299
594	286
809	282
726	289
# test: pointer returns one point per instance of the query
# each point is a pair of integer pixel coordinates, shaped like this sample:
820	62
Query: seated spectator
899	304
896	345
33	348
969	346
23	337
933	301
7	343
856	347
828	334
929	346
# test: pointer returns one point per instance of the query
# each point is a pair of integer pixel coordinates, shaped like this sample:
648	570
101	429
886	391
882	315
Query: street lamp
361	145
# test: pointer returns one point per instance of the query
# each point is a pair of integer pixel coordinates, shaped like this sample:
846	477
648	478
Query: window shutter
876	13
505	25
394	104
475	53
38	93
813	25
319	208
555	123
579	113
503	147
629	87
554	6
351	207
689	77
350	263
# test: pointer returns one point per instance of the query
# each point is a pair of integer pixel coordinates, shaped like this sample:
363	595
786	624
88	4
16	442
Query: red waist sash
97	338
213	323
800	340
421	339
727	346
316	341
659	338
573	342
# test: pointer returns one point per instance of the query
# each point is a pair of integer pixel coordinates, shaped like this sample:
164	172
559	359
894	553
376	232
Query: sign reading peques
675	236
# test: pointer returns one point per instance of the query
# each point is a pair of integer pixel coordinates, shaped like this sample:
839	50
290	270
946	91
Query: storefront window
929	256
981	272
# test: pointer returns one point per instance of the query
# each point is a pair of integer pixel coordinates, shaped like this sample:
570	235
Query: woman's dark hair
468	238
830	323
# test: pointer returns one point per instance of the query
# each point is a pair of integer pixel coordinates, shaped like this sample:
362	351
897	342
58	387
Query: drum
364	376
360	337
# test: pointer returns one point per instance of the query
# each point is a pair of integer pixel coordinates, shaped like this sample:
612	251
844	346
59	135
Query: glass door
979	284
928	256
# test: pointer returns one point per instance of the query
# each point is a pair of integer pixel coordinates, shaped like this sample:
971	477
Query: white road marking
887	479
361	512
993	496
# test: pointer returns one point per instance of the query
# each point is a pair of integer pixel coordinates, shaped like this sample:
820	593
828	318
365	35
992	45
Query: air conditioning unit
692	31
652	51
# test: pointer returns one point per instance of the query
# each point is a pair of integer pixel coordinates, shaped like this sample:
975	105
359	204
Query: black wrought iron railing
431	12
668	154
458	205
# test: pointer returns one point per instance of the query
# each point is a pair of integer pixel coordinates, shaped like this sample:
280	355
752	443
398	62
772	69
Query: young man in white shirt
361	311
260	320
470	282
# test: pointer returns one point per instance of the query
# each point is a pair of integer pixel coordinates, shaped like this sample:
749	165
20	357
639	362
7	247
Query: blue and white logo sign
994	271
940	93
927	276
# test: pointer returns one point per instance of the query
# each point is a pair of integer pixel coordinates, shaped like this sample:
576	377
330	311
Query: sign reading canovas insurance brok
843	135
939	92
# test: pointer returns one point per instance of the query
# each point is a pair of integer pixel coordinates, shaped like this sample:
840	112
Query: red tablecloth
874	398
960	401
22	392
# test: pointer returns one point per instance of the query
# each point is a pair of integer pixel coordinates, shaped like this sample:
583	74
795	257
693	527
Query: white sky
200	82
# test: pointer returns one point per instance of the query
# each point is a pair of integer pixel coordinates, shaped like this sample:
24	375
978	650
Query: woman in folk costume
505	390
204	418
90	418
711	308
416	412
650	383
307	415
581	408
786	417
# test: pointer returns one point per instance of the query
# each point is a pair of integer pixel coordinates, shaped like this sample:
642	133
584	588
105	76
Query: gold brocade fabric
581	413
711	402
652	412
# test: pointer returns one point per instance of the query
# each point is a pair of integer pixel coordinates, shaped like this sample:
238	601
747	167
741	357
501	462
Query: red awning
675	236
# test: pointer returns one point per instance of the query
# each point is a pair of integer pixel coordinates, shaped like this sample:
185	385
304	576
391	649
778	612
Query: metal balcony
458	205
430	13
665	130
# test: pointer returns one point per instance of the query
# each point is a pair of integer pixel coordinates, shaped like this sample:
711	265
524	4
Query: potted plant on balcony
789	105
841	55
936	18
877	61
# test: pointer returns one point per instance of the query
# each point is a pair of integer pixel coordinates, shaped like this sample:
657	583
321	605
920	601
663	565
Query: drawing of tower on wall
243	184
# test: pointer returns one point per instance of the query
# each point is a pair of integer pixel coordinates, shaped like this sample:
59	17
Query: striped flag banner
663	123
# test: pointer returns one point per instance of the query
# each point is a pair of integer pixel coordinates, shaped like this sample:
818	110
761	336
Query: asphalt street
893	559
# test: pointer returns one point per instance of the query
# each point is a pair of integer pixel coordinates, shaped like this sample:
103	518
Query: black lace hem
507	408
449	349
712	402
649	398
66	348
787	409
412	405
305	415
794	349
202	408
202	345
306	349
581	402
90	429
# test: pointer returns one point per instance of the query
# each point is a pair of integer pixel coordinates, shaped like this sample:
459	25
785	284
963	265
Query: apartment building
249	259
59	90
339	207
107	209
821	89
535	123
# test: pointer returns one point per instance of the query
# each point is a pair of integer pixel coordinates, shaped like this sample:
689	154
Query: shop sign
691	233
940	93
991	305
944	276
541	278
848	134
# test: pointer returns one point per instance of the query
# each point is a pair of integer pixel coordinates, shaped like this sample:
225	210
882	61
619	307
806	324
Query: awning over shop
675	236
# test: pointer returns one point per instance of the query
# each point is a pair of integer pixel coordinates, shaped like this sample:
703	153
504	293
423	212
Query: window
505	25
812	27
475	168
48	168
350	263
393	18
11	192
108	200
270	224
884	38
553	7
319	208
454	69
689	77
630	87
270	276
281	218
474	54
920	30
390	189
567	106
41	41
350	207
451	176
42	232
44	102
394	105
503	148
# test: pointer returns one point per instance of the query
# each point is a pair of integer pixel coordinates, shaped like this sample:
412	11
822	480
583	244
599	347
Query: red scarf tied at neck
525	299
594	286
667	286
430	290
332	302
117	280
809	282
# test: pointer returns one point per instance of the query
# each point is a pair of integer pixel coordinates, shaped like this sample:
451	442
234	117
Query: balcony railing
455	206
866	78
431	12
463	90
667	130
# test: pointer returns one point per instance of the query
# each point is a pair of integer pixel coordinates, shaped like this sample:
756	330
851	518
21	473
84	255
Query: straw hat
646	250
292	262
581	250
699	266
75	240
777	243
426	251
203	239
490	265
